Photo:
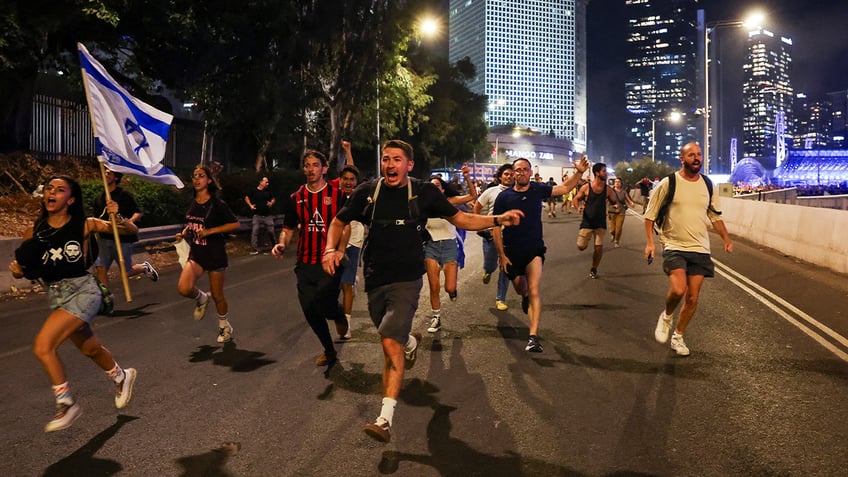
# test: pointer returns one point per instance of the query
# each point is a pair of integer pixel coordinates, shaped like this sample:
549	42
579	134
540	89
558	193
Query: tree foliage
632	172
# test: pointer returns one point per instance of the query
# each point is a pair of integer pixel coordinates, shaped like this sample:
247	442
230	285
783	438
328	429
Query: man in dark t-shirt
521	249
260	200
396	208
594	223
108	252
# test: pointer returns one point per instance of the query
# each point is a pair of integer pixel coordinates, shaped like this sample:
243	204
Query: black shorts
693	262
520	259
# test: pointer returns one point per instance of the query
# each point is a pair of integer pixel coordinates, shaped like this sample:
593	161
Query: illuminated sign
529	154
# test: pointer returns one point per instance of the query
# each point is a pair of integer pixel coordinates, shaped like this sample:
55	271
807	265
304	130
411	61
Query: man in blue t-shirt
521	249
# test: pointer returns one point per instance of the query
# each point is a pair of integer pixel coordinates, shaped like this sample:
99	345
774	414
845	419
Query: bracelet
329	251
497	224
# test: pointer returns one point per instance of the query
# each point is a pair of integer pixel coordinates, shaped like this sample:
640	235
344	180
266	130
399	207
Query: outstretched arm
468	221
582	166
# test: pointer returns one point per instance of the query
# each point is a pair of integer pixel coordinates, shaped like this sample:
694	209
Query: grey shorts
442	251
78	296
392	308
693	262
109	253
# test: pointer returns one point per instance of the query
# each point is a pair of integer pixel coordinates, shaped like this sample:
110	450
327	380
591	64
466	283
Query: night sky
819	54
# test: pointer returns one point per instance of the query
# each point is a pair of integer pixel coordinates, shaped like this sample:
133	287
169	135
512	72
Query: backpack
669	197
413	189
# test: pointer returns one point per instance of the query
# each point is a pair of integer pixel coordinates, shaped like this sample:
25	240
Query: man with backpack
680	206
396	208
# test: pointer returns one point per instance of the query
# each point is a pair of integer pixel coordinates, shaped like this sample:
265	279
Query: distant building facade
662	69
530	58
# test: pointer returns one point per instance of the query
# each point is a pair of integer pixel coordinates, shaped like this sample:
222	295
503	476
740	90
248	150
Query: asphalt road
763	393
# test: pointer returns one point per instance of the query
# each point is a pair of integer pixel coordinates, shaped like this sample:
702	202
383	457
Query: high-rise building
811	123
661	57
766	95
838	133
530	58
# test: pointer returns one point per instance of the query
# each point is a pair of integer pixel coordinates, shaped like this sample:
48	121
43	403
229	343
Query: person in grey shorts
396	208
686	243
72	292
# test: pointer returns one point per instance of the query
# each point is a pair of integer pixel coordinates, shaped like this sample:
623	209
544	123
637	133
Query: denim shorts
78	296
349	272
109	253
442	251
694	263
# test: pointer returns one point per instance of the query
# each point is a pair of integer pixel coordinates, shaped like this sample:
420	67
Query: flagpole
124	278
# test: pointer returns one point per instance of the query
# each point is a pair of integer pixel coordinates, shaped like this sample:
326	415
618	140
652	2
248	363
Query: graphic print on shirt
316	224
71	252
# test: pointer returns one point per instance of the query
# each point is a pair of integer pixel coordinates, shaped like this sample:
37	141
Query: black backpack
669	197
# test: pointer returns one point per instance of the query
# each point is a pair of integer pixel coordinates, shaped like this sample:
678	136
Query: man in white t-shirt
483	206
686	242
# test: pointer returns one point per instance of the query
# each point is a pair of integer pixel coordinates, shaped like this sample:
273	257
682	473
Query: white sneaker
348	334
678	345
200	305
435	325
150	272
66	414
225	334
124	393
663	328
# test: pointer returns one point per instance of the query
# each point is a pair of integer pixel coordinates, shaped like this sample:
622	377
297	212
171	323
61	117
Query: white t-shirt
440	229
487	199
685	225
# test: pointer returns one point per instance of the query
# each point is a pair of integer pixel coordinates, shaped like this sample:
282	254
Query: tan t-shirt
685	225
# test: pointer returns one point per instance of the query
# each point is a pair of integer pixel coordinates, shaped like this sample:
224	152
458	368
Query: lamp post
674	117
754	19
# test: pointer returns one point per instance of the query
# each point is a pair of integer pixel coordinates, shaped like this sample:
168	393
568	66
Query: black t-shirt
595	211
127	207
260	199
65	256
210	251
394	249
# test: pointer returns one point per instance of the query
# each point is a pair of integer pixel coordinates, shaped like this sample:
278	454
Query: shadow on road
83	463
134	313
209	464
238	360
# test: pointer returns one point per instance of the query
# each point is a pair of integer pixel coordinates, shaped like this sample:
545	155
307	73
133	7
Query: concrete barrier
815	235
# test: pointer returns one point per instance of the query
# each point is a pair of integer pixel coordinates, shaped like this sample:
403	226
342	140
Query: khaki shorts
584	235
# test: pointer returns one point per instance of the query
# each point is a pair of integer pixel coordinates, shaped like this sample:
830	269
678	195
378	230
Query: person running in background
62	235
594	224
483	205
348	179
396	207
128	209
260	201
208	220
311	208
551	201
441	250
521	249
686	243
618	210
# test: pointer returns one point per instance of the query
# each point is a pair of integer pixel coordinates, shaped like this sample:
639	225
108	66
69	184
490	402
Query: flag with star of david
130	135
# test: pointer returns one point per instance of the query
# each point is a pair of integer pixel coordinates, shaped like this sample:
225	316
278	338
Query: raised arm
582	166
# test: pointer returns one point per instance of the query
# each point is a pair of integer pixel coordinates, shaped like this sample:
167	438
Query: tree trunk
261	161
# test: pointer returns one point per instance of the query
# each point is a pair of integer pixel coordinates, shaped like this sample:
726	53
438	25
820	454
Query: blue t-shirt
527	235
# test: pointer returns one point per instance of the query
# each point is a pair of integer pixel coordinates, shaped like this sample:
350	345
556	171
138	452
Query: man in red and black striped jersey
312	207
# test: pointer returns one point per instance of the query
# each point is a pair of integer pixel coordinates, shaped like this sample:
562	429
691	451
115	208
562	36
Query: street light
754	19
426	27
673	117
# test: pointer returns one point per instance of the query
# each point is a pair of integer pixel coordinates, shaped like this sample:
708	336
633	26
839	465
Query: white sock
347	316
222	321
411	343
200	296
437	313
387	412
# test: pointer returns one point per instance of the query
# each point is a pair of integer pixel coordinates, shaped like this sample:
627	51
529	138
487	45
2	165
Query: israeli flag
130	135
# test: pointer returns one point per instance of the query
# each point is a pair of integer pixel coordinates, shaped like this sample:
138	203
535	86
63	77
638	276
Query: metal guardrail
167	233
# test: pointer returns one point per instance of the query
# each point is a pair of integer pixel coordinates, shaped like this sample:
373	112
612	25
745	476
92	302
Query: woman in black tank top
72	292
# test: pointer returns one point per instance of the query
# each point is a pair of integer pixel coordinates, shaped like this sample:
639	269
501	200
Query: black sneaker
533	345
593	274
150	272
452	296
525	304
435	325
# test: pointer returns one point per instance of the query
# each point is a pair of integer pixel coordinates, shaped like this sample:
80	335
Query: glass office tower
530	61
662	64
